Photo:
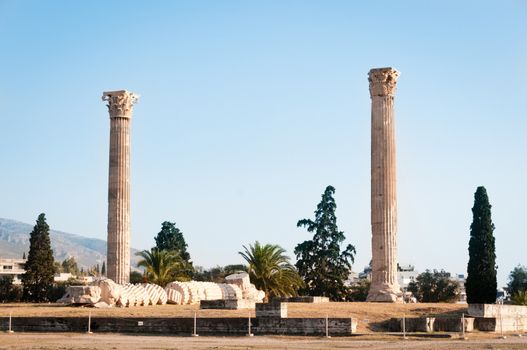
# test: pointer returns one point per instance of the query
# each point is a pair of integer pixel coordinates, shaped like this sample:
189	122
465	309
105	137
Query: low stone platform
241	304
497	317
273	309
497	310
312	300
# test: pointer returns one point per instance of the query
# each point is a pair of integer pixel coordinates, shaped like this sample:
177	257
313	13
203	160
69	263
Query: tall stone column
120	105
384	286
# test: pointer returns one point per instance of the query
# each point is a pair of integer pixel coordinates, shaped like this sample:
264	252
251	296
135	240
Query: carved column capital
120	103
382	81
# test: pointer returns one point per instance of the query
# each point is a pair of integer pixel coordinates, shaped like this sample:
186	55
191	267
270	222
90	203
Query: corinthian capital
382	81
120	103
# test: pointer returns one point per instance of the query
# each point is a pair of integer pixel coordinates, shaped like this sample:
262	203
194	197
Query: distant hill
14	241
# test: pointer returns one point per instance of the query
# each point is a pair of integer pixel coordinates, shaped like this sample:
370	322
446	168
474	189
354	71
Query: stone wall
431	324
183	326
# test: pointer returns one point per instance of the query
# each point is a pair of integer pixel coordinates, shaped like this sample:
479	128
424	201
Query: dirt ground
367	314
63	341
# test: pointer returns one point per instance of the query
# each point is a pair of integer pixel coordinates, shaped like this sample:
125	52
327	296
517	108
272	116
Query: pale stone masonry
120	106
384	286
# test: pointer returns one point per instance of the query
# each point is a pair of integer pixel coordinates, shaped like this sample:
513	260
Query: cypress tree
320	261
103	268
481	281
38	278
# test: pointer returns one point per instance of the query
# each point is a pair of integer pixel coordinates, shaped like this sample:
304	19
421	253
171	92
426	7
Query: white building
63	277
405	275
13	267
460	279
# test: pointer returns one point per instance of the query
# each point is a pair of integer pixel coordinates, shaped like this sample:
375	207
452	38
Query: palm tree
270	270
161	265
520	298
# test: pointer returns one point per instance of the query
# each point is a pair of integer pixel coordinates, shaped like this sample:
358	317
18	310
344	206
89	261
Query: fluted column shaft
118	250
384	286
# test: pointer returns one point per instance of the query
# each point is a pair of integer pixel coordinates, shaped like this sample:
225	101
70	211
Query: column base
385	293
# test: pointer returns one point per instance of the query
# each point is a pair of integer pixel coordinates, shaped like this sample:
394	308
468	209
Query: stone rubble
81	295
238	287
106	293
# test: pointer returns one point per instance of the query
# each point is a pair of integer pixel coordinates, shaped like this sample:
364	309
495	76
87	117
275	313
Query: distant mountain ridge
14	241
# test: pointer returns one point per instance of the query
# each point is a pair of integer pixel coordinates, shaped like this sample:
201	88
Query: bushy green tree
270	270
218	273
481	283
359	290
320	262
138	277
520	297
38	278
69	265
517	280
9	292
434	287
171	238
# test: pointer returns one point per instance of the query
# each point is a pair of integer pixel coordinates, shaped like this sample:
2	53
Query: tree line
323	264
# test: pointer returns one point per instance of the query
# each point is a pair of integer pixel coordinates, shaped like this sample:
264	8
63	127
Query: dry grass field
367	314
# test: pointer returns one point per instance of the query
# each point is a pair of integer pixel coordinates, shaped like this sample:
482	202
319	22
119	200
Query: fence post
249	334
89	324
10	331
327	327
195	333
404	326
463	327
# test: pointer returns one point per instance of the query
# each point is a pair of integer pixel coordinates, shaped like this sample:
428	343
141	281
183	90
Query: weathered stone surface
120	106
384	286
156	294
177	293
248	289
497	318
273	309
238	304
413	324
305	326
453	324
497	310
431	324
102	305
81	295
230	291
240	279
145	294
193	292
110	291
184	326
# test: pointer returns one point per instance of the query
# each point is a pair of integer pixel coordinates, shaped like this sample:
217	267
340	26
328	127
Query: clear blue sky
249	109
